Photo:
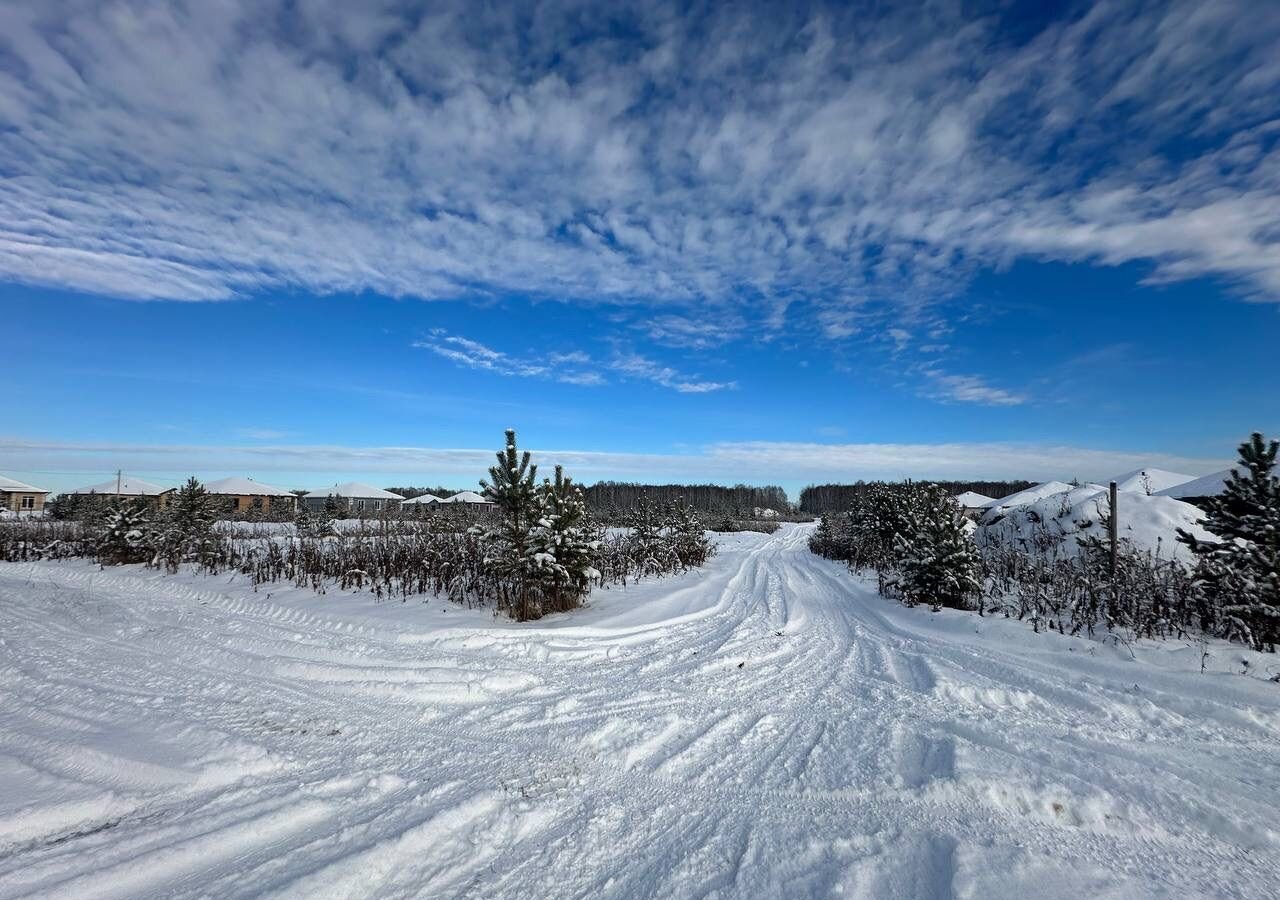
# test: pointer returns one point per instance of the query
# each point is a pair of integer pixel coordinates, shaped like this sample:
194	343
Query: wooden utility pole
1113	530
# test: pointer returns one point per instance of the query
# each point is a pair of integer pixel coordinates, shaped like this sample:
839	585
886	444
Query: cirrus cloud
739	164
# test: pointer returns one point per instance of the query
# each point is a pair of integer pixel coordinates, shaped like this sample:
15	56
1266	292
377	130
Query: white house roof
1205	486
466	497
129	487
974	500
245	487
18	487
354	490
425	498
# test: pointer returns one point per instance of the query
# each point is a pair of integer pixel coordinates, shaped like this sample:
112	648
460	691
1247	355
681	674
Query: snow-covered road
764	727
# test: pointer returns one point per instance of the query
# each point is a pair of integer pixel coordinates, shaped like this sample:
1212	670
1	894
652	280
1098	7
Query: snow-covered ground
763	727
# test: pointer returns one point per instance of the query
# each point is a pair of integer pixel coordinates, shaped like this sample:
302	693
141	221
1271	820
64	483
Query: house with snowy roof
358	498
20	498
242	494
422	500
468	497
127	487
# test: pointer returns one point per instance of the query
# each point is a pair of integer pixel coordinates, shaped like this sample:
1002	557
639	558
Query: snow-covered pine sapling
507	542
125	534
688	535
563	544
317	524
1240	571
649	548
184	529
336	507
939	562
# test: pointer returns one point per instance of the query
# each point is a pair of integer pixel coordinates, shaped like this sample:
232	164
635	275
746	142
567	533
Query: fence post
1114	531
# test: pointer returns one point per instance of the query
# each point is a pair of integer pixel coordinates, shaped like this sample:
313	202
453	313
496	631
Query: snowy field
764	727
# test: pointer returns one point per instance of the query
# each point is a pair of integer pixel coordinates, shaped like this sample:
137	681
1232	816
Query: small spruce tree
125	535
184	529
646	522
508	541
335	507
938	561
689	535
1240	571
563	544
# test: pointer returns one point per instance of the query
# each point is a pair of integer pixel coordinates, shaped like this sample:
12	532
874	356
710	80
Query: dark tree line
824	498
609	500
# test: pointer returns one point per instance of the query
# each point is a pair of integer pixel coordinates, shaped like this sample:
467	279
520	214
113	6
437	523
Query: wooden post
1114	530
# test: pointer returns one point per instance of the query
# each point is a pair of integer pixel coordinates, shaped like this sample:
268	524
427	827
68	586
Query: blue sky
770	243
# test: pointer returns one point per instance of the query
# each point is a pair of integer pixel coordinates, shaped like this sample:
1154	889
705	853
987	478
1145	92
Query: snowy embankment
1057	516
763	727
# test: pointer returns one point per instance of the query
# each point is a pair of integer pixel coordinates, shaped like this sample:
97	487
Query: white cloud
475	355
640	367
583	370
739	165
261	434
969	389
756	461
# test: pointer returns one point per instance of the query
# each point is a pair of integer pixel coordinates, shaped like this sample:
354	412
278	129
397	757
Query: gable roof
466	497
355	490
129	487
10	485
241	486
423	499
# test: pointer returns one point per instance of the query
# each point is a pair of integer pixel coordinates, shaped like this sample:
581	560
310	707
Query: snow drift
1056	522
1149	481
1205	486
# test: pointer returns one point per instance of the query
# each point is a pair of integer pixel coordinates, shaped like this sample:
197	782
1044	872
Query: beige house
18	497
243	494
126	487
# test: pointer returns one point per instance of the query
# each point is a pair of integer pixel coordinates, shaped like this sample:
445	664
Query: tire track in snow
795	736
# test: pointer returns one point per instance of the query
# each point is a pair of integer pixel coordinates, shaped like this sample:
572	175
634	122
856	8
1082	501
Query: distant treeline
607	497
823	498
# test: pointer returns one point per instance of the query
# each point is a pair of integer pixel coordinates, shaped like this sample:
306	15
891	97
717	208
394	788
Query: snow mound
764	512
1054	523
1205	486
1149	481
974	500
1030	495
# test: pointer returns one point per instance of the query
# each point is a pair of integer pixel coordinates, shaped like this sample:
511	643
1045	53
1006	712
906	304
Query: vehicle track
797	736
